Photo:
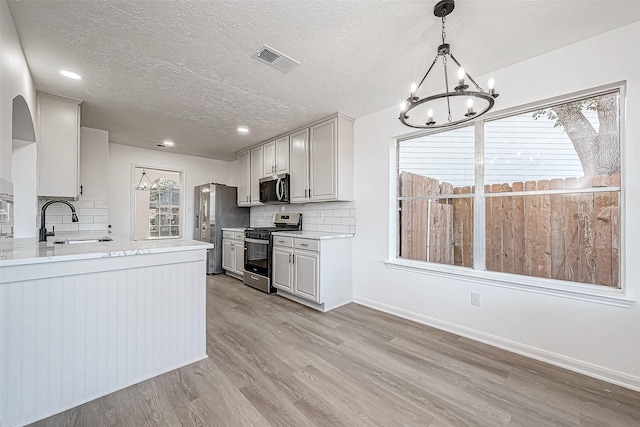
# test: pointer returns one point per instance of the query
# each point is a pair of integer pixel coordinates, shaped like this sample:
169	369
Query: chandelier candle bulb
492	87
461	75
413	89
470	111
430	117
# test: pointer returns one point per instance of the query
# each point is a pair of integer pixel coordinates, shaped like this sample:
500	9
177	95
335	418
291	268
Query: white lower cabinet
313	272
233	253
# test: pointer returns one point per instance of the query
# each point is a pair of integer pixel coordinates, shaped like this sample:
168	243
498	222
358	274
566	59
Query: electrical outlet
282	208
320	214
475	299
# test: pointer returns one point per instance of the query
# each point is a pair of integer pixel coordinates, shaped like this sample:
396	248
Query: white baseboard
599	372
104	393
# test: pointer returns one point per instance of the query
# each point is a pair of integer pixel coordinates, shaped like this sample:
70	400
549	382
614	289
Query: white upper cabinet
244	179
323	159
299	166
330	162
257	172
276	156
282	155
269	164
58	146
94	164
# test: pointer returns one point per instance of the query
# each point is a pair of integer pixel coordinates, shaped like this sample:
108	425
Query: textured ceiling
182	70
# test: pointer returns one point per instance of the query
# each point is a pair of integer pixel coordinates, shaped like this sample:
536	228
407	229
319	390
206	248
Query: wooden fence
572	237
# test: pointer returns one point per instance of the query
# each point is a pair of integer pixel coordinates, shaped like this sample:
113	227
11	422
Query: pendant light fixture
145	183
449	100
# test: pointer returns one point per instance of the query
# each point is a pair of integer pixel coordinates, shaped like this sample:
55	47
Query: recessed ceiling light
168	143
71	75
243	129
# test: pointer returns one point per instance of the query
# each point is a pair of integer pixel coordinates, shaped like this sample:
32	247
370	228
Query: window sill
579	291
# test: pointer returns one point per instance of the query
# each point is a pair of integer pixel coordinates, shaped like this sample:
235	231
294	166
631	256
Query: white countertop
316	235
234	229
29	251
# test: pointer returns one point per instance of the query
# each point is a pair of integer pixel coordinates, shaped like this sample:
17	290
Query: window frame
478	273
134	178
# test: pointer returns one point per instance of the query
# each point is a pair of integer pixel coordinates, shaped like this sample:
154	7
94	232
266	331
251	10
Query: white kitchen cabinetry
233	253
276	156
257	172
316	273
244	179
329	162
319	160
58	146
299	166
94	164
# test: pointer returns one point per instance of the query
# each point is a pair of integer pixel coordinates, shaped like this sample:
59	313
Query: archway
23	169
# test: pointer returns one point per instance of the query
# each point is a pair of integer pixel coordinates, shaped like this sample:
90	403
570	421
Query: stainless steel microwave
274	190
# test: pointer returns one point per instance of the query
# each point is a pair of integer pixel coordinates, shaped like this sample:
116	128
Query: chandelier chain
444	33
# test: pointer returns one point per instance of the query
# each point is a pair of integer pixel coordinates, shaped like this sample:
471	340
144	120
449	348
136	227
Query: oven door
256	256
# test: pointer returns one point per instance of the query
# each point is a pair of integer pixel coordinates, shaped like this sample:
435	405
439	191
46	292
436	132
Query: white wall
197	170
25	180
597	339
16	80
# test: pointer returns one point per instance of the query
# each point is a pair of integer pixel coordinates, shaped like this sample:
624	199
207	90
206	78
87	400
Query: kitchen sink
87	240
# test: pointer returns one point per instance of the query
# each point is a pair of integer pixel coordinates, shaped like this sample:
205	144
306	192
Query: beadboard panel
70	339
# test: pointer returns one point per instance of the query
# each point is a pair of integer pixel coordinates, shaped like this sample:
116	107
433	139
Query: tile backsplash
92	216
336	217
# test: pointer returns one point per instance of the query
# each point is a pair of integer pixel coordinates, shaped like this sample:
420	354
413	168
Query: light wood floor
273	362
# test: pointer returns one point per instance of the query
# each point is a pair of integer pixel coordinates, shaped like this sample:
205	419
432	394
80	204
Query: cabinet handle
81	190
304	244
289	258
305	193
309	192
294	258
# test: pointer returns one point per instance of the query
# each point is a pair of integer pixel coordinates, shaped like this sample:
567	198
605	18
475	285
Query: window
535	193
164	208
158	199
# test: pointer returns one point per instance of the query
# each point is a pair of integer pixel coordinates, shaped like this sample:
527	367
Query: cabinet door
239	255
282	277
282	155
228	258
299	166
305	273
94	166
323	146
244	178
257	172
58	145
269	153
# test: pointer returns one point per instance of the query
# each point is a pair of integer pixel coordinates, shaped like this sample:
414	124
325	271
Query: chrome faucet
43	230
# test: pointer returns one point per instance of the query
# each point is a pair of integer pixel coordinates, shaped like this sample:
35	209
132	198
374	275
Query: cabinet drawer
238	235
308	244
283	241
227	234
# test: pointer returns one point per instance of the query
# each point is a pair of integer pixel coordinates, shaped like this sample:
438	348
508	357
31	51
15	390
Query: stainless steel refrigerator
216	207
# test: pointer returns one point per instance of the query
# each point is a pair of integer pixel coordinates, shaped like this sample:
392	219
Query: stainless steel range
258	245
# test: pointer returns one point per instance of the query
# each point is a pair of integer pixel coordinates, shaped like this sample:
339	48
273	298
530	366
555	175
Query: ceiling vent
277	60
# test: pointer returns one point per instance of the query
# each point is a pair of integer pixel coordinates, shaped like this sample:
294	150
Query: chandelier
145	183
451	101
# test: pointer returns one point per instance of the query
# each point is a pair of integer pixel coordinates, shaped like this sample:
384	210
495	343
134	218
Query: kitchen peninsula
83	320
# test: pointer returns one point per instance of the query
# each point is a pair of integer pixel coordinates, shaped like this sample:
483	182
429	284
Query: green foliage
590	104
